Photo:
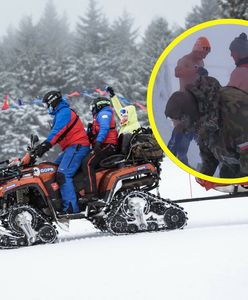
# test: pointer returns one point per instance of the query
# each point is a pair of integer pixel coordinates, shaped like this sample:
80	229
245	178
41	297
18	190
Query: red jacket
104	127
63	118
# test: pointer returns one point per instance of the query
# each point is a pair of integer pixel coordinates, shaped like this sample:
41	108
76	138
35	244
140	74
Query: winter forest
38	57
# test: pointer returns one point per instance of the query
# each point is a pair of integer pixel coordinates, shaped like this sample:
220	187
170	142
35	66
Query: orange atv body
41	178
30	199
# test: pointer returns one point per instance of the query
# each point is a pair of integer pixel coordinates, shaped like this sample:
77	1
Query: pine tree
53	33
28	53
69	75
91	31
16	125
91	40
156	39
208	10
8	48
237	9
121	56
55	46
8	62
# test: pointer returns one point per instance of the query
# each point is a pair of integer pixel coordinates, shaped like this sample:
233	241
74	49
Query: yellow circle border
153	76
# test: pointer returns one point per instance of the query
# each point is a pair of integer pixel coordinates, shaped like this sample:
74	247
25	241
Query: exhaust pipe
130	183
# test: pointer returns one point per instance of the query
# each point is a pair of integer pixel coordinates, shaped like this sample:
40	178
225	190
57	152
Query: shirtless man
188	69
239	53
190	66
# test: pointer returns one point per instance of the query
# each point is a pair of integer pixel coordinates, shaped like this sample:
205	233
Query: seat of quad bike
123	151
124	143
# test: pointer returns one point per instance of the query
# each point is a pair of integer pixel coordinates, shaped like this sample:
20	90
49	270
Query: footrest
98	203
71	216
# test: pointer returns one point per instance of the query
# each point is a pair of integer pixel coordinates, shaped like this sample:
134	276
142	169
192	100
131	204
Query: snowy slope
206	260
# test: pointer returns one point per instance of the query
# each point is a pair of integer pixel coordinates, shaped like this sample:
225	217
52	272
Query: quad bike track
28	191
131	212
26	226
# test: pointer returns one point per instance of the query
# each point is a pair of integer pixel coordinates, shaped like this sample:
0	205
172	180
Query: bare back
186	69
239	78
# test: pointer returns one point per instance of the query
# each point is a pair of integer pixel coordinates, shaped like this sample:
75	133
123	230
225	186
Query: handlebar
9	172
4	162
14	168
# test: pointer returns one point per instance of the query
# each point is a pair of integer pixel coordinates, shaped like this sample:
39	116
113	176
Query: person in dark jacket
218	116
68	131
104	138
189	68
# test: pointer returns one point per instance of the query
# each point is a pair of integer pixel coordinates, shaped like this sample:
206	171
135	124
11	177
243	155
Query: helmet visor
45	105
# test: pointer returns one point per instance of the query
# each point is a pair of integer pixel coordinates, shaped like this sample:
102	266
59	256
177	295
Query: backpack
206	92
143	146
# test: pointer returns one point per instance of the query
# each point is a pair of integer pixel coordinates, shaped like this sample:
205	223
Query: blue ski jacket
104	126
64	117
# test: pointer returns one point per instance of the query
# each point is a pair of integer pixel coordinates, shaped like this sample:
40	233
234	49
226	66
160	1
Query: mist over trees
207	10
37	57
216	9
237	9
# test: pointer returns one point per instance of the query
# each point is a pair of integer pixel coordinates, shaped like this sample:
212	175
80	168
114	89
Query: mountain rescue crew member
68	131
239	53
189	68
127	115
104	138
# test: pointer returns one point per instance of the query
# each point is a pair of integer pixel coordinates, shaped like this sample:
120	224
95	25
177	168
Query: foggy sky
143	11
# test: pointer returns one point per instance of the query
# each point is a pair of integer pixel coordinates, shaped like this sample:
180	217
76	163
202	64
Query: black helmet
98	103
52	98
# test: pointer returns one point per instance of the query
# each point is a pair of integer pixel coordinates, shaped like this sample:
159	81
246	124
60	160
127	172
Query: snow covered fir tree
237	9
207	10
38	57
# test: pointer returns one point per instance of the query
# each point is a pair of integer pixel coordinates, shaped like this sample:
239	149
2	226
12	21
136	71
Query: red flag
74	94
101	92
140	105
5	103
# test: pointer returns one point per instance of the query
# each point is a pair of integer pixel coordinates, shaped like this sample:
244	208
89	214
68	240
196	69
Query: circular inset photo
198	101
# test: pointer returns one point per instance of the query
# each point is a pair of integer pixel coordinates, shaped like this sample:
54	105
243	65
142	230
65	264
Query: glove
15	162
97	147
202	71
110	90
42	148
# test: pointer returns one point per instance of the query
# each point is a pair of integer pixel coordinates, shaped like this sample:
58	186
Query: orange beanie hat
201	44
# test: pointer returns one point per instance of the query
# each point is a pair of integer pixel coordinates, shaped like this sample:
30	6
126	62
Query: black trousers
91	162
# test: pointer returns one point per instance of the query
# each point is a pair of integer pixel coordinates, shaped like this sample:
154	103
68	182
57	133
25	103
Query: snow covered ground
206	260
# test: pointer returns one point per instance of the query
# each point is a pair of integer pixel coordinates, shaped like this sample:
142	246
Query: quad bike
30	198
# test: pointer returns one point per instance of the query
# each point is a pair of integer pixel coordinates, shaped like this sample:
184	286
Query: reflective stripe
88	168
